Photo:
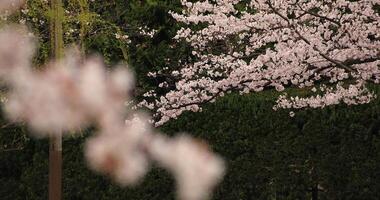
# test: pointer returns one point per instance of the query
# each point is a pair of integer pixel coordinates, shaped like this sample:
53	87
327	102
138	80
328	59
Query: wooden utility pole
55	142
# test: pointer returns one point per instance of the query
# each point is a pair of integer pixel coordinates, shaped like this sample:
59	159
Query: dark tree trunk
55	168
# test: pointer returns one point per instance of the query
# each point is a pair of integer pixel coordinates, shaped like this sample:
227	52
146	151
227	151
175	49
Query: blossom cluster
10	5
145	31
123	38
248	46
353	95
7	7
72	93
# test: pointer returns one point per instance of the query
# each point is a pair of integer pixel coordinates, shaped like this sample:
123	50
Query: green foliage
269	155
273	156
24	164
147	54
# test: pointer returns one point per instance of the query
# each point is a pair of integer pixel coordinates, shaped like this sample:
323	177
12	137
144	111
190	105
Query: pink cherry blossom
272	44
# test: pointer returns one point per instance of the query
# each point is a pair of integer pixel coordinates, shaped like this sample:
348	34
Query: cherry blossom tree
331	48
73	92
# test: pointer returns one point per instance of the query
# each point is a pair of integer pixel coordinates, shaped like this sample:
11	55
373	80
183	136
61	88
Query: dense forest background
330	153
